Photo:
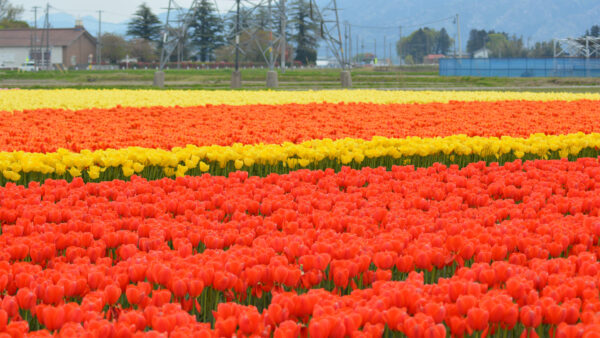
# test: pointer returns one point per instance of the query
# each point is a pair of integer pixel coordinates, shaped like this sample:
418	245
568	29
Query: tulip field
133	213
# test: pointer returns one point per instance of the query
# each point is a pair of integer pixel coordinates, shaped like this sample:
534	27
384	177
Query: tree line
424	41
210	38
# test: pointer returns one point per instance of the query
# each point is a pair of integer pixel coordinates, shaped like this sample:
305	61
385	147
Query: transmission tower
175	31
254	31
329	19
272	47
586	47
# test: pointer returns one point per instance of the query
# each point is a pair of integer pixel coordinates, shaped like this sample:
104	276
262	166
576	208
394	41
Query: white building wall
481	53
15	56
56	56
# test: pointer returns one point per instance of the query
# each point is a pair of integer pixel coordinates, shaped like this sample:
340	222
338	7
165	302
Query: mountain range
371	21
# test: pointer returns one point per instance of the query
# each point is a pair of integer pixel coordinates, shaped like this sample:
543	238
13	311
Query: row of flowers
108	98
459	306
263	159
46	130
485	250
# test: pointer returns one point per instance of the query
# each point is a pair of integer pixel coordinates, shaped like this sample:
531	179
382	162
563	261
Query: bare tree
10	15
9	11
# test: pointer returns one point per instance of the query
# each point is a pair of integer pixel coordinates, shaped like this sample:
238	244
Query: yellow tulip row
13	100
263	159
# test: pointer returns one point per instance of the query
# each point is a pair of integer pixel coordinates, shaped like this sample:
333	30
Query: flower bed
214	214
431	251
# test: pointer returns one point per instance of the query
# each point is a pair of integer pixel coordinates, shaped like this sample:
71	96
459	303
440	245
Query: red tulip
53	317
319	328
26	299
3	320
225	327
465	303
9	304
531	317
477	319
249	322
435	311
112	293
180	288
458	326
134	296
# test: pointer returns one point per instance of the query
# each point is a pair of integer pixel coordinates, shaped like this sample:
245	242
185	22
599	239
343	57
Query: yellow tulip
204	167
127	171
238	164
344	151
94	172
75	172
15	100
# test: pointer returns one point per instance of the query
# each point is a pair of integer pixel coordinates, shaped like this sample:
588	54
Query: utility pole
99	42
283	47
458	36
384	45
357	48
47	58
34	10
399	51
362	46
236	76
34	50
375	48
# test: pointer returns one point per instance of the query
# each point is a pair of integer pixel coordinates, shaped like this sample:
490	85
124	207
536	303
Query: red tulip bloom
531	317
112	293
477	319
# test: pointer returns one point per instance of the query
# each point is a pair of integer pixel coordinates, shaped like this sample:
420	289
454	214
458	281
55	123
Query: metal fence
521	67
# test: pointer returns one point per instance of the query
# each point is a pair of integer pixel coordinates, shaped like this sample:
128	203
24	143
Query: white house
327	63
71	47
482	53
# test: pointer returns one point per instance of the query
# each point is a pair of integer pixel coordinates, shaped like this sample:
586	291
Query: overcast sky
114	10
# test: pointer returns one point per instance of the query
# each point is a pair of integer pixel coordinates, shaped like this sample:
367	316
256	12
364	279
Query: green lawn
415	77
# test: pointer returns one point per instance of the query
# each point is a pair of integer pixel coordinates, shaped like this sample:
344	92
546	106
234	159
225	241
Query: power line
373	27
403	25
428	23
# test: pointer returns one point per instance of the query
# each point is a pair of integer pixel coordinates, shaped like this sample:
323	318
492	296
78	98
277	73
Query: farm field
333	213
405	77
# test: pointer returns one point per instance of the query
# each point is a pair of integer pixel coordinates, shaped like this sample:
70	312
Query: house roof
58	36
435	56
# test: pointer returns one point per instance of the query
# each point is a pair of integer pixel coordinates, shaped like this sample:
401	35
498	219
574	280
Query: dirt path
381	85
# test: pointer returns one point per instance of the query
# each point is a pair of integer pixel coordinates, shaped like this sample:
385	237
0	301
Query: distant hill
536	19
63	20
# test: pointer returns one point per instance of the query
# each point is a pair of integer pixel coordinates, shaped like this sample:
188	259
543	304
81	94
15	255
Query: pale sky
114	10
